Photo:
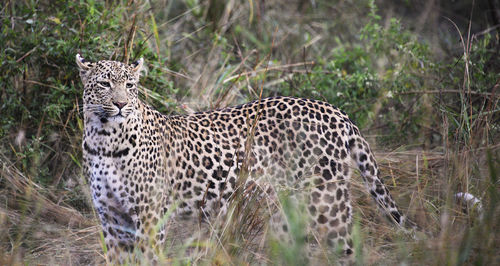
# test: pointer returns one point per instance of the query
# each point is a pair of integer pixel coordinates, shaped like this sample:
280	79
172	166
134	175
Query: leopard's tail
362	155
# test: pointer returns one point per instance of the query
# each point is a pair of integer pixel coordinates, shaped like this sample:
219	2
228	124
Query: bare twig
130	41
485	94
42	84
269	69
26	54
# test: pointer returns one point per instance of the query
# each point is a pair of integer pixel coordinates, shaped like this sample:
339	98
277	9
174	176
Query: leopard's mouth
119	114
116	113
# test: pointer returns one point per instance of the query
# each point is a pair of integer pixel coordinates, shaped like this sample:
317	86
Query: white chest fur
107	150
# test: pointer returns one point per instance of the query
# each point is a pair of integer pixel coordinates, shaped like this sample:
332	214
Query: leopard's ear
83	65
137	66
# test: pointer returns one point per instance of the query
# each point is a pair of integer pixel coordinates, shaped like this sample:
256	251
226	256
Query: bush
41	89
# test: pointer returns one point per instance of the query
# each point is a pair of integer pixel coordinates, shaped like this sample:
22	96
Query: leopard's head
110	88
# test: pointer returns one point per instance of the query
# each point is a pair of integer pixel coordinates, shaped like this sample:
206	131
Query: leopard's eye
104	84
129	85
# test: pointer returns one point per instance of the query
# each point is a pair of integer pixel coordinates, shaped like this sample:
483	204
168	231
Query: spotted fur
141	163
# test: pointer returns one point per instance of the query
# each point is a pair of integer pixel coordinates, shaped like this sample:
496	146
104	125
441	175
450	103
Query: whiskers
92	108
102	111
110	110
105	111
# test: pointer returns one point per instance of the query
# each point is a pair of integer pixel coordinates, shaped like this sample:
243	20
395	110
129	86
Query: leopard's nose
120	105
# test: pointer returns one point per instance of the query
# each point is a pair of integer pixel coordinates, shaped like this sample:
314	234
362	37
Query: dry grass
49	233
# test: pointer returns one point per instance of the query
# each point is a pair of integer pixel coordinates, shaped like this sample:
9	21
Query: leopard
143	166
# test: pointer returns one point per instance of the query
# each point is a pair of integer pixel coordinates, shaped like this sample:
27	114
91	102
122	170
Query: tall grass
427	102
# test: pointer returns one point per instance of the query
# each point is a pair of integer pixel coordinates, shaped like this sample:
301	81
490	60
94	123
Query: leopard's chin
118	118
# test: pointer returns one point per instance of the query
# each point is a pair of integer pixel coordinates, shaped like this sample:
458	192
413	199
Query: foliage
41	91
359	77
